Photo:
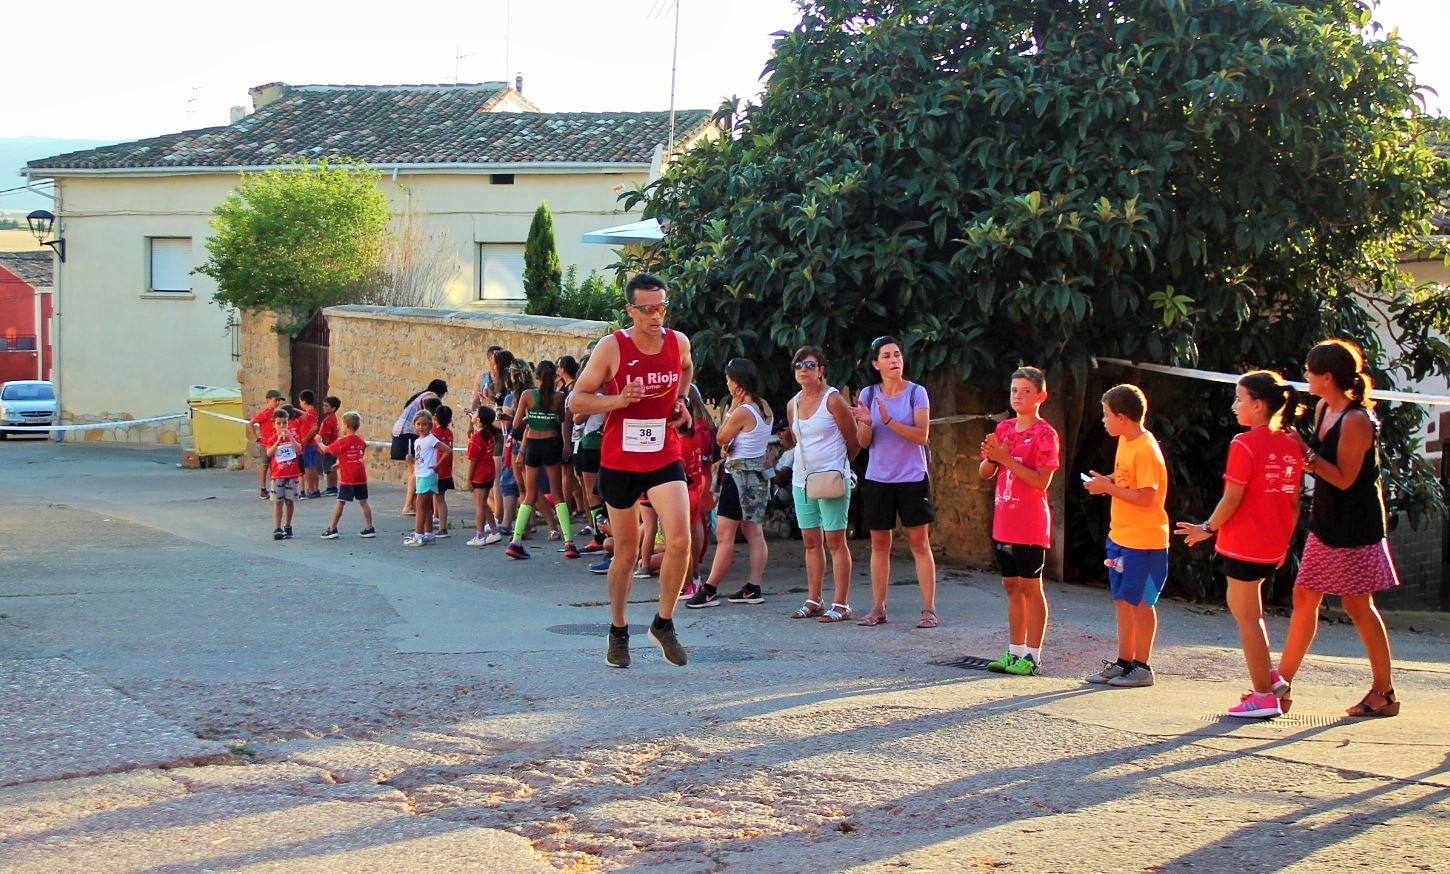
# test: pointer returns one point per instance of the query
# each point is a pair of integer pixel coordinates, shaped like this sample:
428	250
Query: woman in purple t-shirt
892	418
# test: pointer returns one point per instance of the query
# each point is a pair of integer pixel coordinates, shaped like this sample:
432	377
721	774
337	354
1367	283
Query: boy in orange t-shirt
1137	548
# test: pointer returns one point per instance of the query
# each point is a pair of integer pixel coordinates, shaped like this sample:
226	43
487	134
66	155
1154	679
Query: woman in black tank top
1346	553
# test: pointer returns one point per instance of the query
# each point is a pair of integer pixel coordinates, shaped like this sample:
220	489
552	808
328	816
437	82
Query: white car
27	402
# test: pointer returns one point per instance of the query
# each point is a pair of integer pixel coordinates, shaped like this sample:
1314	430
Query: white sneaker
492	538
413	540
476	540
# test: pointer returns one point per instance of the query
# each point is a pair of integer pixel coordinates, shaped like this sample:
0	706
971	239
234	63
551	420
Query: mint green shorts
827	515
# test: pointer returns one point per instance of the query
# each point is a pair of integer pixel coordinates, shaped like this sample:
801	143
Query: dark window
17	343
502	178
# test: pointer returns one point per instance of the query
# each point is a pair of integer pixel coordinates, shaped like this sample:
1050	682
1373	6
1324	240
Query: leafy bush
1181	181
593	297
300	237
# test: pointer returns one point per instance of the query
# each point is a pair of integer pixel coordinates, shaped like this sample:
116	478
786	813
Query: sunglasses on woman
806	365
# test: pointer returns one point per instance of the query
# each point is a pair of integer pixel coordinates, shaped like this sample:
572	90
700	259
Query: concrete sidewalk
184	691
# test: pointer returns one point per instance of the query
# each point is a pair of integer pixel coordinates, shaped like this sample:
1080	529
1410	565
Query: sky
146	67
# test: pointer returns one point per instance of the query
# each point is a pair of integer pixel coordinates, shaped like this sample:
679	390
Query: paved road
182	692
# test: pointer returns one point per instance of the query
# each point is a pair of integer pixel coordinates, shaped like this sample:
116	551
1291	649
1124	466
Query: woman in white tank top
823	437
744	490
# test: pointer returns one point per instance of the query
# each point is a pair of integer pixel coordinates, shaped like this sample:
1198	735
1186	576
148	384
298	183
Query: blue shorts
826	514
508	486
426	484
311	457
1142	576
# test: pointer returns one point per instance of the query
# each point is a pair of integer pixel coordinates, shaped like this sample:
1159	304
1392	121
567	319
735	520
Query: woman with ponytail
541	412
1254	522
1346	553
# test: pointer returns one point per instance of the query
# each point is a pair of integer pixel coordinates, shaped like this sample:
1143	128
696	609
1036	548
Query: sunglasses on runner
807	365
651	309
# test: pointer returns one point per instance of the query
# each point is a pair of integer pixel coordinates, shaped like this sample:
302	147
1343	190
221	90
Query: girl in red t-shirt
1254	522
481	473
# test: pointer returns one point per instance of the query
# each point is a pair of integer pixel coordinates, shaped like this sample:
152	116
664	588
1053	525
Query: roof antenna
674	70
508	30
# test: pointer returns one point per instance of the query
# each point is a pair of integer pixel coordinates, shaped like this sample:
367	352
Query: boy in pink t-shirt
1022	454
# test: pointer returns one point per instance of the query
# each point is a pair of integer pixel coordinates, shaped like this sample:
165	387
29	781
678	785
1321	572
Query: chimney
238	113
519	82
265	94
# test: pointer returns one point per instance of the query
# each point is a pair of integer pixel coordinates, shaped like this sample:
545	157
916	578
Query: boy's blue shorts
1143	575
311	457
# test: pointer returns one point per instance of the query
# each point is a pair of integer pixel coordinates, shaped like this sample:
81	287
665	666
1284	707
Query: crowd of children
531	459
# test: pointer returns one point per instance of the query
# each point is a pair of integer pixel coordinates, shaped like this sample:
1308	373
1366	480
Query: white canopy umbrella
647	231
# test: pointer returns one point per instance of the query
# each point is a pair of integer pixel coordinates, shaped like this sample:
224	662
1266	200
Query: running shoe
555	537
1256	705
330	491
443	534
669	645
1136	676
517	550
641	573
429	538
584	531
413	540
287	530
329	534
570	550
1278	685
704	596
368	533
475	540
262	493
1024	666
278	535
601	567
617	653
688	590
999	666
591	548
304	496
1110	671
492	538
314	495
748	594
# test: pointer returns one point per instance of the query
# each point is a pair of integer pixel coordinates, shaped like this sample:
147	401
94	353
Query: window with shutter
170	264
501	271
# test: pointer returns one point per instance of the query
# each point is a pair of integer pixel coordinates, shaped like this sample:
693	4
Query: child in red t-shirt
284	456
482	470
307	433
1022	454
1254	522
443	430
350	450
326	435
265	432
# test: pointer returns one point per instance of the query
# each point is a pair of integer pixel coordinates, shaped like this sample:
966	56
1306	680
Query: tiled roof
397	124
35	268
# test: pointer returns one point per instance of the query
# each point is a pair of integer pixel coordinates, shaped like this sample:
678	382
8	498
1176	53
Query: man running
643	371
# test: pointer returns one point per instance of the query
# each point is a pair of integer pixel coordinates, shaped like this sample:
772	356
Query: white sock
1018	649
1035	652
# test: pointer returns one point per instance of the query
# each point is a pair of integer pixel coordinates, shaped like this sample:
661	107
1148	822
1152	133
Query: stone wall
266	362
380	356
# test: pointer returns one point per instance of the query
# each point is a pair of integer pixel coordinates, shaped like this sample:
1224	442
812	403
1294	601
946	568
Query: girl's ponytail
1292	409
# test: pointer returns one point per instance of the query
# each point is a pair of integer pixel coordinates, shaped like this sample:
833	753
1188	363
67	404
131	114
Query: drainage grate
966	663
1294	720
593	629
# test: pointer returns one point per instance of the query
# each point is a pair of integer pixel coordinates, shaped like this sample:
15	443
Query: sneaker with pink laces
1256	705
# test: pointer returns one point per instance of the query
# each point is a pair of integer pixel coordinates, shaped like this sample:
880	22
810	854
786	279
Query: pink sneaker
1256	705
1277	684
688	590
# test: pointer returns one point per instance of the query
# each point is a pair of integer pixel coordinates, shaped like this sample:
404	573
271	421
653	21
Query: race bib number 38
644	435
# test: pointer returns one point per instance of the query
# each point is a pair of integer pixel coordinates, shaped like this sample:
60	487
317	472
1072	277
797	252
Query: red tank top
638	438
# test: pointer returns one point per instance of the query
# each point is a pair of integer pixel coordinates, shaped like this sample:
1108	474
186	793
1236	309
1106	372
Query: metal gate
309	358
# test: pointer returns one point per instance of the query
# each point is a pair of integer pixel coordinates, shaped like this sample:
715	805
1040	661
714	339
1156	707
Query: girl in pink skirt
1346	554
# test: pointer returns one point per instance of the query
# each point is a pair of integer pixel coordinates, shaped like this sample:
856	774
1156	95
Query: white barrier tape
94	426
221	416
1408	397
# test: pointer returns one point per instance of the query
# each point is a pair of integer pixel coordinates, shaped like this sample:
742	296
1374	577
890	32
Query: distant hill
16	151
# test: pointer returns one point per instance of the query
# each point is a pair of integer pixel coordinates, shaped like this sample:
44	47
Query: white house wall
126	352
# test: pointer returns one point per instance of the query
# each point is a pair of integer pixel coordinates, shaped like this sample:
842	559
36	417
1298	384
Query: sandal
873	619
928	619
837	613
807	610
1363	710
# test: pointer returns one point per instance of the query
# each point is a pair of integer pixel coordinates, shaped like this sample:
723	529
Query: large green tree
543	273
300	237
1216	183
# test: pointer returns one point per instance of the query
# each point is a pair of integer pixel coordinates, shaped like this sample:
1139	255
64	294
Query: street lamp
41	221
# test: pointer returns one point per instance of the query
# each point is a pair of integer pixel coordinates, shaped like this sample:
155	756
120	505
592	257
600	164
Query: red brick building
25	308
